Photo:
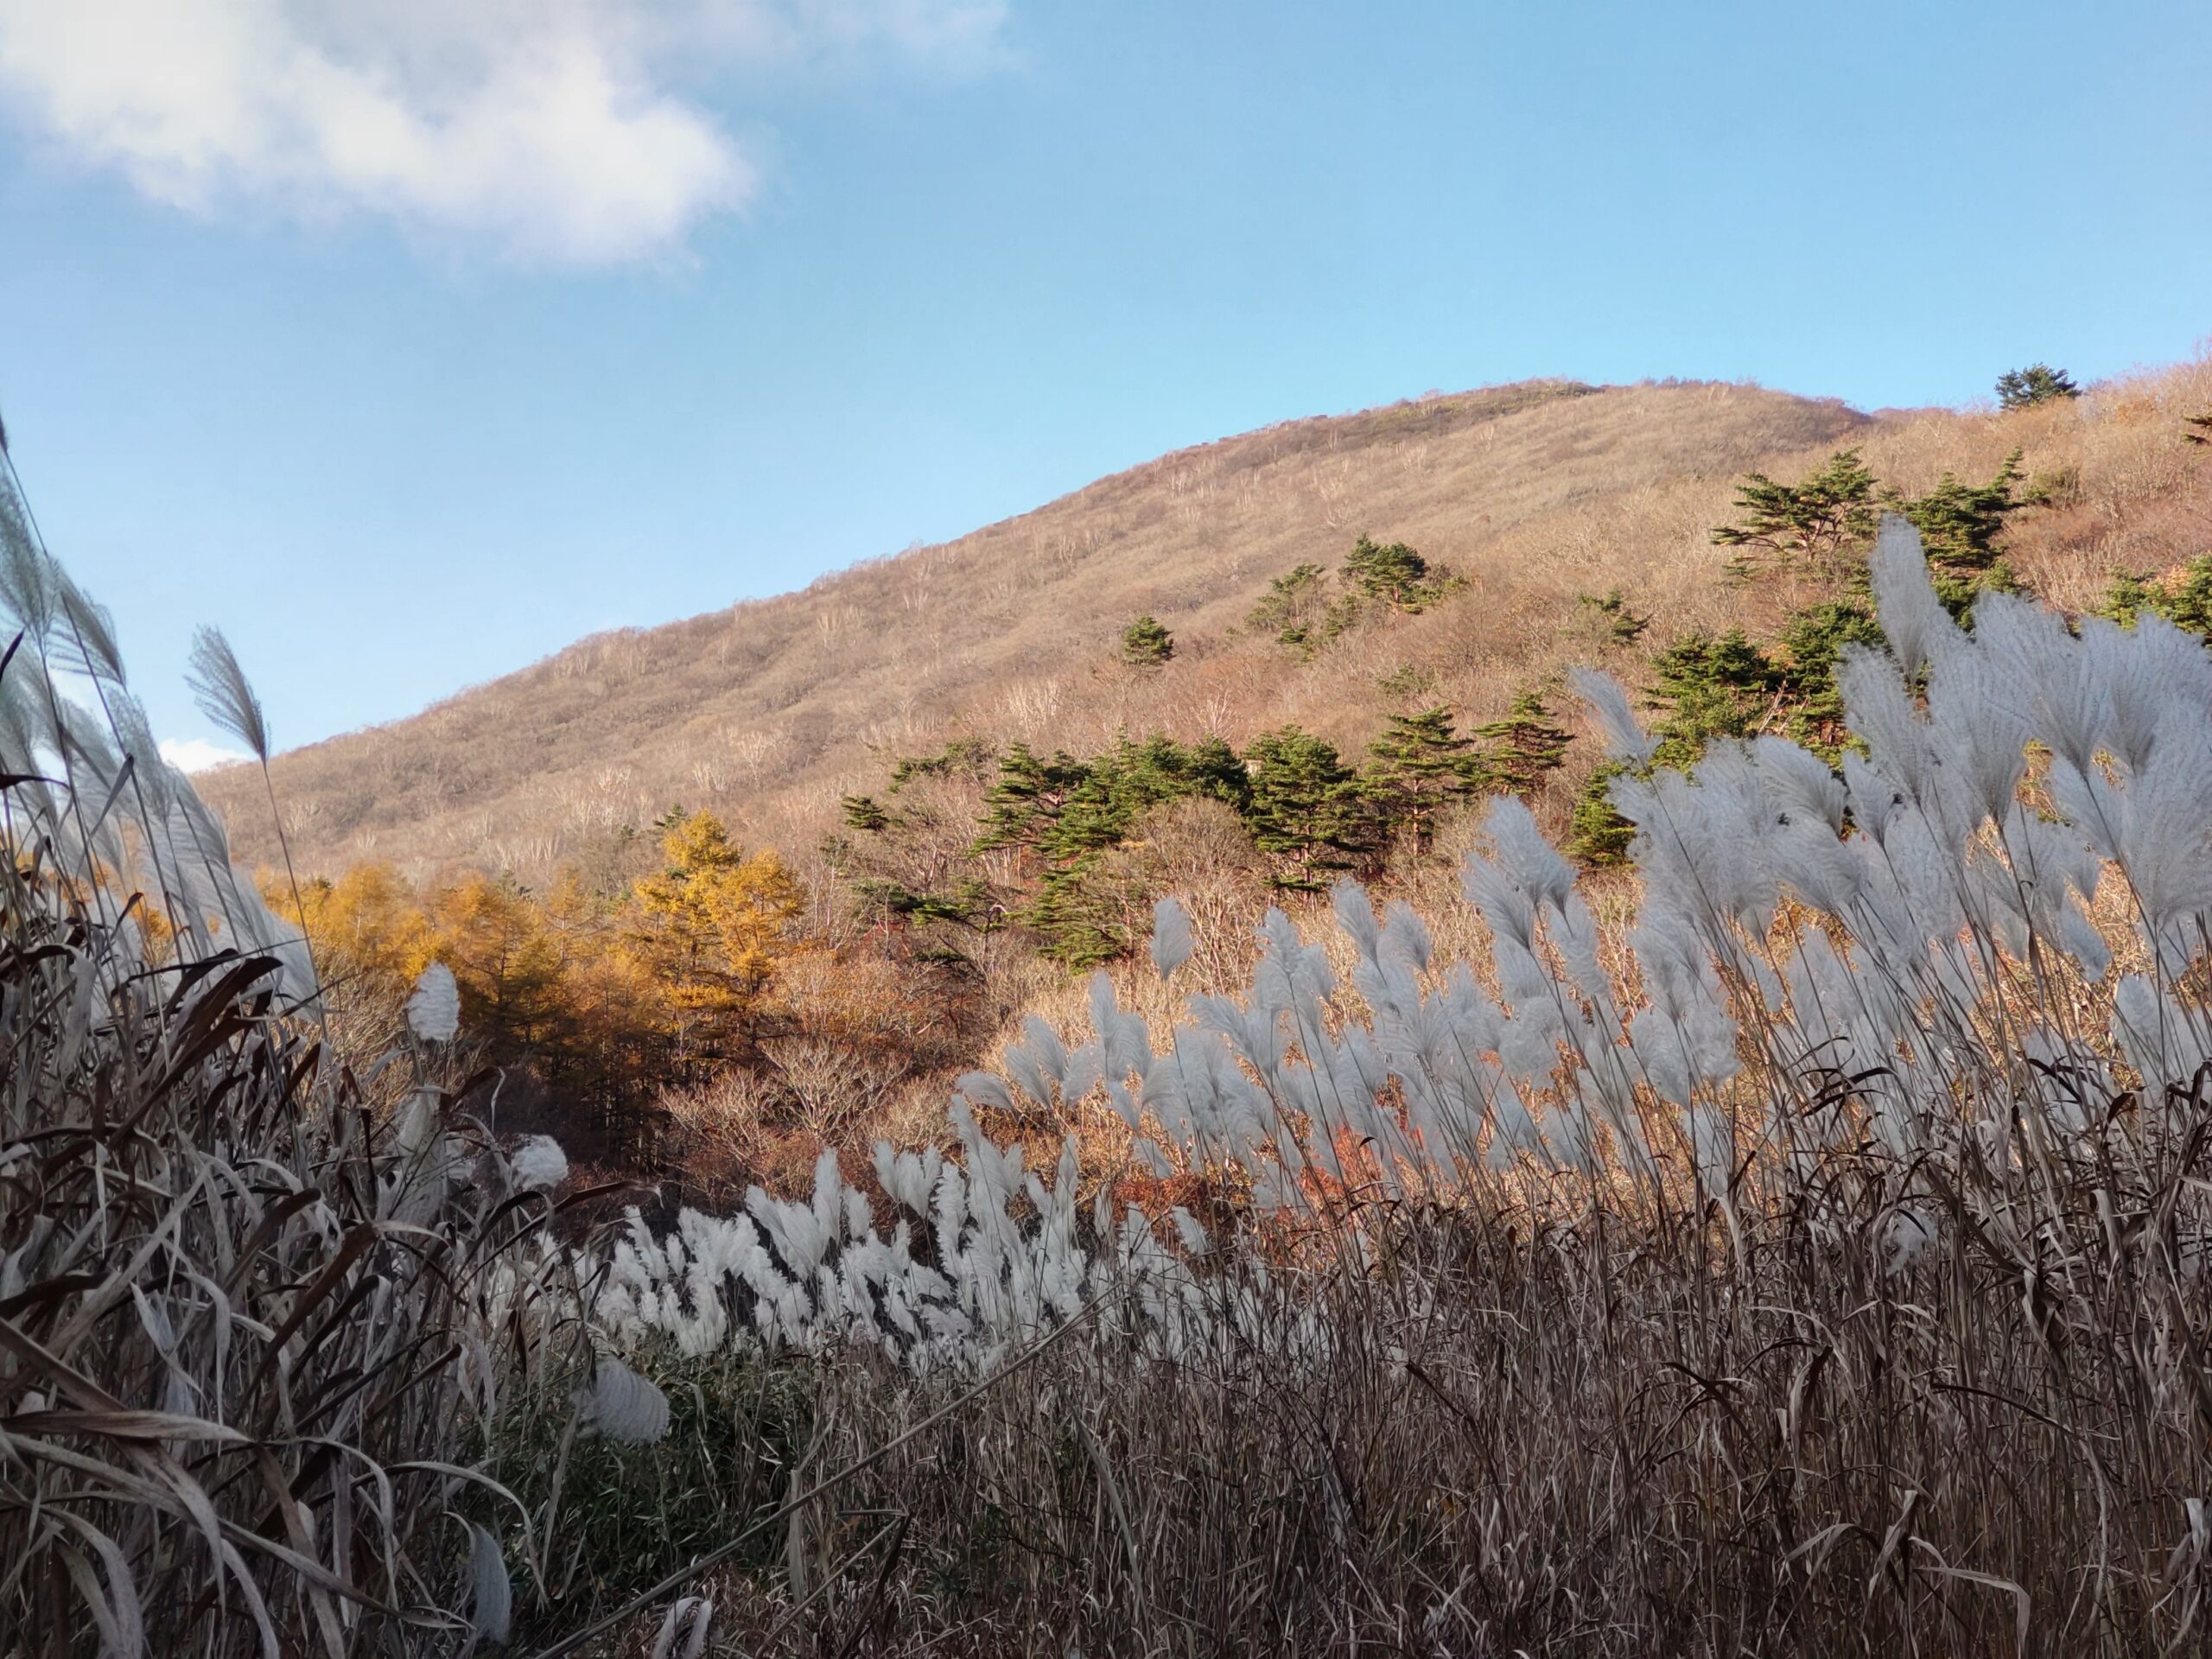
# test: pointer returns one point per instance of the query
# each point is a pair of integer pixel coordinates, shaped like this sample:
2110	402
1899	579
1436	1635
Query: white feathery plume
907	1178
1527	859
1086	1070
1908	1235
1355	914
1124	1040
2079	934
2152	1033
83	637
491	1610
1977	717
134	734
621	1405
1917	626
1798	783
434	1009
1037	1062
224	693
1878	708
984	1090
1713	1148
19	724
2161	688
1625	738
1503	904
691	1617
1171	937
1044	1044
1406	936
1189	1232
2054	677
27	589
538	1165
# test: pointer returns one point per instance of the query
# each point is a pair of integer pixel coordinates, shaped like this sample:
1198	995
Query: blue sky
411	349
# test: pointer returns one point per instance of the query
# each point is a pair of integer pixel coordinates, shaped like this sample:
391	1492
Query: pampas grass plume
701	1612
538	1164
224	693
434	1010
492	1613
1170	938
623	1406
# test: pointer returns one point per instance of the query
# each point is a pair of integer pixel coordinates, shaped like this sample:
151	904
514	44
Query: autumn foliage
605	994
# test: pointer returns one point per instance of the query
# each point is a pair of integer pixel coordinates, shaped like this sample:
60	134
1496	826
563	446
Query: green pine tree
1408	680
1959	524
1417	768
1305	807
1146	643
1076	923
1525	747
1132	777
967	756
863	813
1710	687
897	866
1814	521
1393	575
2037	383
1597	834
1623	626
2128	596
1811	643
1298	610
2188	604
965	903
1026	801
2061	487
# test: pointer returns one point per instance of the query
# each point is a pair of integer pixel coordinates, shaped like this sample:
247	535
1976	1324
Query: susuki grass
1829	1276
1818	1268
242	1316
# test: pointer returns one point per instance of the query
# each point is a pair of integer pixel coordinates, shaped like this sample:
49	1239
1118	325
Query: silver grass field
1817	1265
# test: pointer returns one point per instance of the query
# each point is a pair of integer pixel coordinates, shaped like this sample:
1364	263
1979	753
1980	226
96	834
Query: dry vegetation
1800	1246
768	713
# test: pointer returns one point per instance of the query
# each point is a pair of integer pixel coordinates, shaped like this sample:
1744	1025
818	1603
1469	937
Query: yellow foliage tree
507	962
371	936
603	995
367	928
710	928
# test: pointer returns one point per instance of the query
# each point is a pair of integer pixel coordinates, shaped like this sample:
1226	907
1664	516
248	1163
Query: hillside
770	711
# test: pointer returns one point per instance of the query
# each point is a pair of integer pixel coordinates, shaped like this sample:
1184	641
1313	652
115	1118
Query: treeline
1310	812
606	995
1307	811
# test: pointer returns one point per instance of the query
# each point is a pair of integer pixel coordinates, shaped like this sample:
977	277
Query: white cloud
568	130
198	754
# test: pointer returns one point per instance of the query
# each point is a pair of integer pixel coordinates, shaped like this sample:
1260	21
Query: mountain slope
769	712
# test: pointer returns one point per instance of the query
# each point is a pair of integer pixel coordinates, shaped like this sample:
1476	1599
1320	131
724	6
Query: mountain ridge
770	710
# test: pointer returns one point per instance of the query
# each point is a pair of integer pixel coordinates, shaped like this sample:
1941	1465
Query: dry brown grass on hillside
769	712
